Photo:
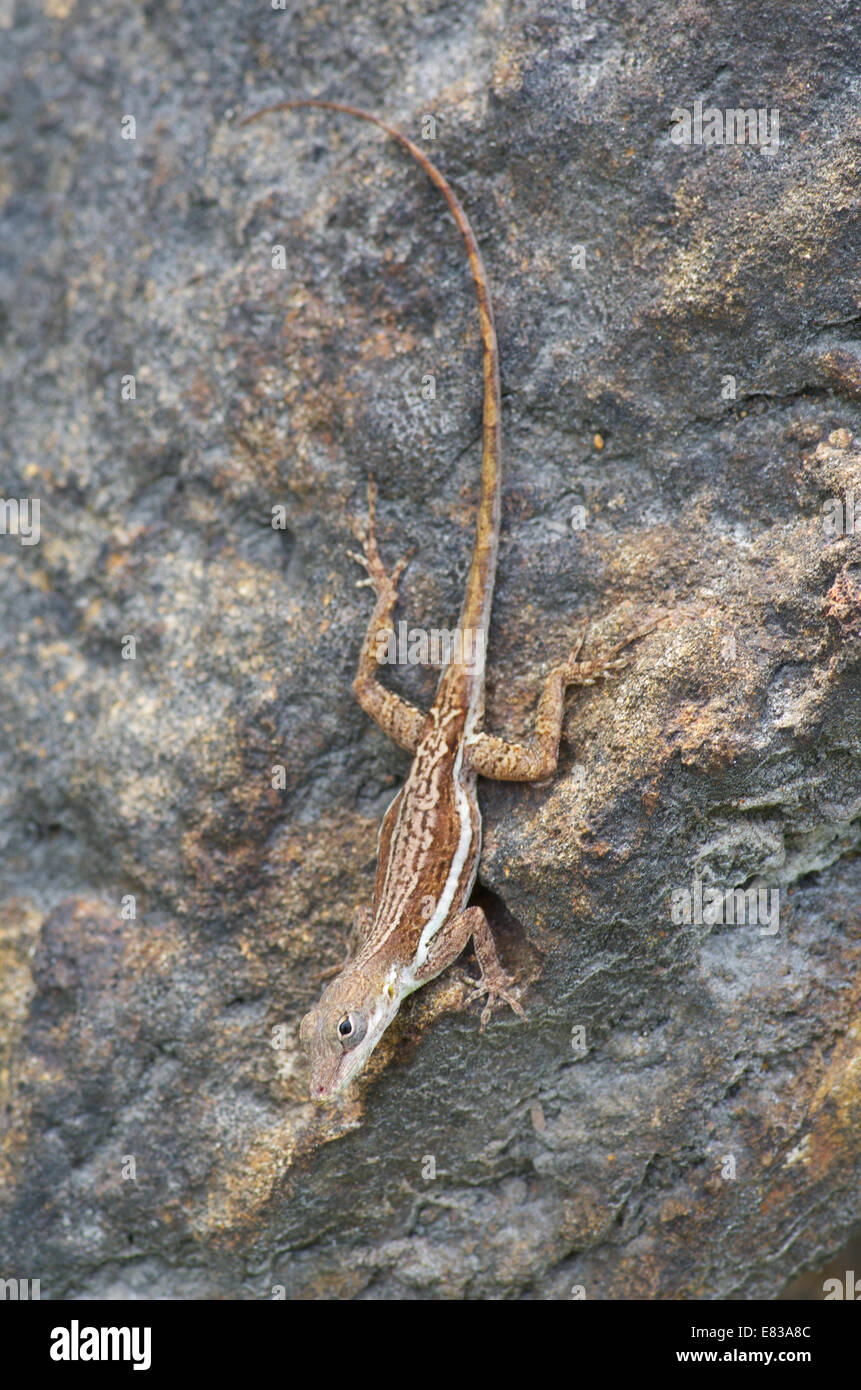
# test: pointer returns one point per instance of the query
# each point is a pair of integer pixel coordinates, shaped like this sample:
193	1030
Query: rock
681	365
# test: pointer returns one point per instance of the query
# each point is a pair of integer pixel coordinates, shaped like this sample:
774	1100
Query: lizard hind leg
535	760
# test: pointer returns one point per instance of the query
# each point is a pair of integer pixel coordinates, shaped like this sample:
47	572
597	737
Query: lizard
420	919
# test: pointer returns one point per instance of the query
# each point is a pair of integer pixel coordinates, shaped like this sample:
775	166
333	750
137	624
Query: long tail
475	614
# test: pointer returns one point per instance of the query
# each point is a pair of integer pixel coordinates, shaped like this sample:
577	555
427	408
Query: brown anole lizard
430	838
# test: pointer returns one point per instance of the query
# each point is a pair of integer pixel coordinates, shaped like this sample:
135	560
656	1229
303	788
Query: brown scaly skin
430	838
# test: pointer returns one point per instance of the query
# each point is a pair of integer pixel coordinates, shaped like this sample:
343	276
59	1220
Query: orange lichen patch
840	1087
201	394
117	561
651	799
151	951
20	923
238	1190
508	68
586	1218
843	600
242	1184
843	369
597	849
386	343
312	893
676	1207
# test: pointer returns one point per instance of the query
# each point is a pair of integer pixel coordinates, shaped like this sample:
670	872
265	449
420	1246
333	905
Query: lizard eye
351	1029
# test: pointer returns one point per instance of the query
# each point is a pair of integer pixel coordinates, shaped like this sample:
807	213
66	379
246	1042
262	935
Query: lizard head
340	1034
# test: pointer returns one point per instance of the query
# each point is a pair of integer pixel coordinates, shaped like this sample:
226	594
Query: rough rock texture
704	1141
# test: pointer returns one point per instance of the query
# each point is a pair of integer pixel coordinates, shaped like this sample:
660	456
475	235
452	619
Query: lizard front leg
535	761
396	717
447	945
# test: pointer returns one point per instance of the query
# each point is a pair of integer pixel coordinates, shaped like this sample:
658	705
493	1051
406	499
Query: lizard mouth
323	1091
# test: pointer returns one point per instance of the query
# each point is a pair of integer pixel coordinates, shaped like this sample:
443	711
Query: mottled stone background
694	385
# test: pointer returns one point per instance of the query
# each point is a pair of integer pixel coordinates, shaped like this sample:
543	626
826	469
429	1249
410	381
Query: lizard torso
428	849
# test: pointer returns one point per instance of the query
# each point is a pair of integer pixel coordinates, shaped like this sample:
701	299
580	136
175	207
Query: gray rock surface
694	386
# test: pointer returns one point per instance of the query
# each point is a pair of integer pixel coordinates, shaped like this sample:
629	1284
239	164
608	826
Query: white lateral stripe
383	821
461	855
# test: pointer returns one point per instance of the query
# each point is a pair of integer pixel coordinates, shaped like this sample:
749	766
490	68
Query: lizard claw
577	672
496	986
383	584
362	560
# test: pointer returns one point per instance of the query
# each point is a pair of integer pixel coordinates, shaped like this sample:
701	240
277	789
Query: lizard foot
496	985
578	672
384	585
